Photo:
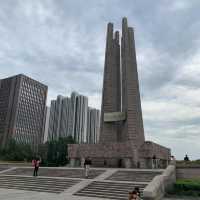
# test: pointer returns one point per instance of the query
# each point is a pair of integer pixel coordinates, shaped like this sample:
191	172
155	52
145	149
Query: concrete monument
122	142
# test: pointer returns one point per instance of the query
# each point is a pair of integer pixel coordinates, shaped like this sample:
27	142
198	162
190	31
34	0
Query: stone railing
157	188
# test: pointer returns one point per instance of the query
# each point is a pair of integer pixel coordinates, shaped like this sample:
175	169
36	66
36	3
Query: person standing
186	158
154	161
172	160
36	164
87	165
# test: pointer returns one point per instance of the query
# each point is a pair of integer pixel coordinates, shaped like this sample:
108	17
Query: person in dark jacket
186	158
137	189
154	159
87	165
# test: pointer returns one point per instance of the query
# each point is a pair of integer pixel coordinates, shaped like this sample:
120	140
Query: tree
52	153
56	151
16	152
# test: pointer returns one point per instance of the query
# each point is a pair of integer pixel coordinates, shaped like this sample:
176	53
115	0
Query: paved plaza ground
55	172
182	198
17	183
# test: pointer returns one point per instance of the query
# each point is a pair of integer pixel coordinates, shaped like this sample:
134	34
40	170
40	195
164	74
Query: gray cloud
62	43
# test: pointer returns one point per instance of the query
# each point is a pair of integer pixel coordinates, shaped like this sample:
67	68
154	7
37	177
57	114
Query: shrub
189	187
16	152
54	152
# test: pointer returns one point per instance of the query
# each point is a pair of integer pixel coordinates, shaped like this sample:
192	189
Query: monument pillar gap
133	126
127	163
111	98
82	161
72	162
121	126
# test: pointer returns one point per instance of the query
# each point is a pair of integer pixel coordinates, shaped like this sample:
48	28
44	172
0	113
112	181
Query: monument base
124	154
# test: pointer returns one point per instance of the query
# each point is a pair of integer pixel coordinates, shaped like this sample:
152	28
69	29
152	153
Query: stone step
107	191
55	185
111	183
121	189
36	179
69	173
102	195
41	183
30	189
3	168
45	179
52	185
111	190
138	176
118	188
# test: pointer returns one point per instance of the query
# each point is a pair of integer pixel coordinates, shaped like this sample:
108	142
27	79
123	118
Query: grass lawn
186	187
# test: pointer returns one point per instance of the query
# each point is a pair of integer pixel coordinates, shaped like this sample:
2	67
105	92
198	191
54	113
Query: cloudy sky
62	43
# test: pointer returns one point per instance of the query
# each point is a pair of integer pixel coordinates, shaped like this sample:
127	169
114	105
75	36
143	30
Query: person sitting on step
137	189
133	195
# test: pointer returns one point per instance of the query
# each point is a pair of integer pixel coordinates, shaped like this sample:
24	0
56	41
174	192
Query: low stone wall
110	150
15	164
150	149
157	188
188	172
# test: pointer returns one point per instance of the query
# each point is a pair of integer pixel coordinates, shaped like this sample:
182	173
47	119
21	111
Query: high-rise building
65	120
74	96
80	131
55	118
22	110
93	125
47	114
69	117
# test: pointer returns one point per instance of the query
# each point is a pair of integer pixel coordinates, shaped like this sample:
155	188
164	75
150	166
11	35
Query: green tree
53	153
16	152
56	154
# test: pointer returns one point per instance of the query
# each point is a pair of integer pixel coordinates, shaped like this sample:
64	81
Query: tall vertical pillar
133	126
111	98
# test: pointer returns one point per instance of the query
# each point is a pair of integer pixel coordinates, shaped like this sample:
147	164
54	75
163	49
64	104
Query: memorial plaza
121	160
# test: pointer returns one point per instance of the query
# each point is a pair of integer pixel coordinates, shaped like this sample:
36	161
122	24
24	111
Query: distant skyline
62	44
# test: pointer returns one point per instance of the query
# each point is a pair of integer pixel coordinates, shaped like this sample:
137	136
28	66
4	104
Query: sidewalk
182	198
